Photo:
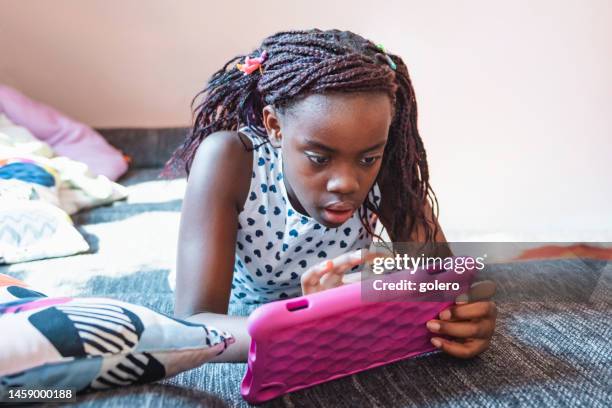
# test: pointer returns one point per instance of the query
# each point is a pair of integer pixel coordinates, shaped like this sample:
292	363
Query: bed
551	348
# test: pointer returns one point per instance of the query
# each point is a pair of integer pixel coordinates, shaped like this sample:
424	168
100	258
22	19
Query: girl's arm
236	325
217	187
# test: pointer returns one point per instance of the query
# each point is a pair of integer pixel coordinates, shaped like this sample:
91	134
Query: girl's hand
328	274
470	324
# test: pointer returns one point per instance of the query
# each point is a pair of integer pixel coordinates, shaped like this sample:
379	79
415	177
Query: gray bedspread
552	345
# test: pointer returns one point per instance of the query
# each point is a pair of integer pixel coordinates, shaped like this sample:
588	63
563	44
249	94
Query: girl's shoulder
234	141
224	161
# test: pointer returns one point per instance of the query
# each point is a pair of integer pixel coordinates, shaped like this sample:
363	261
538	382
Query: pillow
88	344
81	190
21	138
14	289
74	186
30	186
35	229
67	137
25	179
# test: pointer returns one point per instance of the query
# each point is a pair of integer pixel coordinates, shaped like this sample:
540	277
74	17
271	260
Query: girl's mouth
337	216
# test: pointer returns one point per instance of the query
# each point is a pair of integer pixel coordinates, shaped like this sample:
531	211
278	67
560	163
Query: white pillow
36	229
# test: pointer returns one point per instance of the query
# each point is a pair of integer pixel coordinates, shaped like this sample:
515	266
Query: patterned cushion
91	344
14	289
36	229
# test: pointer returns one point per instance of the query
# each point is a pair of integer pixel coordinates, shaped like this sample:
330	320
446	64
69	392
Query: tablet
304	341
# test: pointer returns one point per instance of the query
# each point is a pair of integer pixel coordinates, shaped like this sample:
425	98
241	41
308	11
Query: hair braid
304	62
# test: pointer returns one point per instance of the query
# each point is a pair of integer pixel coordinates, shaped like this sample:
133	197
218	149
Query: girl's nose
342	183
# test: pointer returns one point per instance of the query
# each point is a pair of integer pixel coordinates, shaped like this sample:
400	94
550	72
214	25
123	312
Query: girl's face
332	148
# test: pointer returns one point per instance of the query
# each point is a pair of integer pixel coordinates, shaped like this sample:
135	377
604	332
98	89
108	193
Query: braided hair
314	61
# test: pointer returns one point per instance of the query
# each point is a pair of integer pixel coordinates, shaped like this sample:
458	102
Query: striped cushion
94	343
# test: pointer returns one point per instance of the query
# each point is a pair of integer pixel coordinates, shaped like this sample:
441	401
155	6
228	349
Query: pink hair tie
252	64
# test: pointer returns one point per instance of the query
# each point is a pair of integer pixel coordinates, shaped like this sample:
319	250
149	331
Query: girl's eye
316	159
368	161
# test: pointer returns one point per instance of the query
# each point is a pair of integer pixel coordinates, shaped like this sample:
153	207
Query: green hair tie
387	57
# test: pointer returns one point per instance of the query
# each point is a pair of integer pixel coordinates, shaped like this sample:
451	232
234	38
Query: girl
296	151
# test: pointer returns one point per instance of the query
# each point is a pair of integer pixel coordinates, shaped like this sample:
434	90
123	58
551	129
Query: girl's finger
338	266
467	349
469	311
331	280
481	329
483	290
313	275
351	259
346	261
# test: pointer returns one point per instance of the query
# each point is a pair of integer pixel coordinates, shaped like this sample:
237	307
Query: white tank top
275	243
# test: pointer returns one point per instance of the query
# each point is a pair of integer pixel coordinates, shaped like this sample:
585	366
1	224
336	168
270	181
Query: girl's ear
272	123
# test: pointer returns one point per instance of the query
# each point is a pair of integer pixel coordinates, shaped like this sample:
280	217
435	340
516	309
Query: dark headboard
146	147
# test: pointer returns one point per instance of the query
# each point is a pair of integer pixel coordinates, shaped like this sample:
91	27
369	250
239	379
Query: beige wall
515	97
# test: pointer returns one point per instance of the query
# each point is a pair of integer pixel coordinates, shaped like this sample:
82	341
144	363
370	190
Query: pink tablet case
300	342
